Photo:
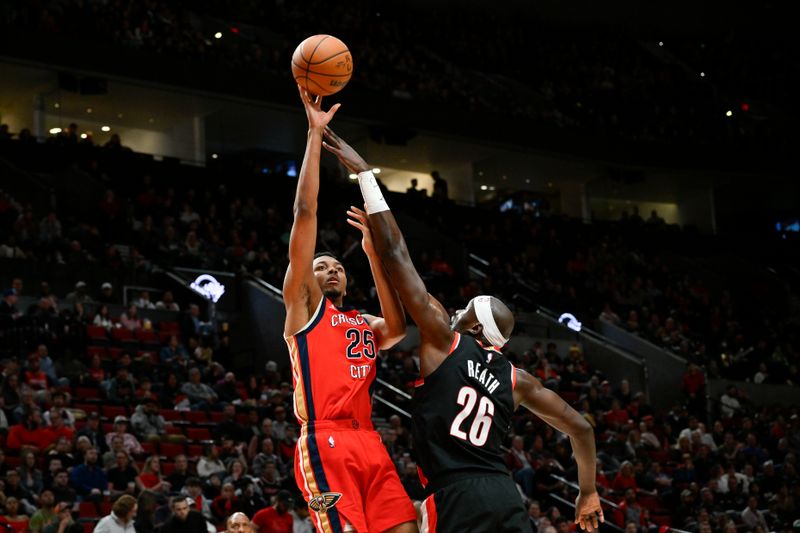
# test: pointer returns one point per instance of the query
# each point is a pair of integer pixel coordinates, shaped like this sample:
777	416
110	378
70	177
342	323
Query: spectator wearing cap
94	432
63	523
121	518
79	295
130	443
106	295
184	519
277	518
147	422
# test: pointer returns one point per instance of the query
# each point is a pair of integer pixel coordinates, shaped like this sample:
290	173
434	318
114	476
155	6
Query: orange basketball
322	65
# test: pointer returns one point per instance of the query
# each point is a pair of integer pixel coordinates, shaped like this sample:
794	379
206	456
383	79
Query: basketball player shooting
467	392
341	466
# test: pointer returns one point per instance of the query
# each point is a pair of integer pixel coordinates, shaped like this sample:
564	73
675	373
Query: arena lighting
570	321
660	43
119	115
484	187
376	171
491	187
53	131
353	176
214	156
702	74
729	113
105	128
208	287
83	135
89	110
218	35
56	105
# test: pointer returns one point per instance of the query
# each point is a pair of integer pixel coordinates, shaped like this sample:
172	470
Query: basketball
322	65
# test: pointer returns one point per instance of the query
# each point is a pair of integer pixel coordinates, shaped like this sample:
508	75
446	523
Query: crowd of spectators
171	420
612	84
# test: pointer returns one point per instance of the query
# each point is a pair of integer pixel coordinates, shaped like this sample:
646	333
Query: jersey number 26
479	430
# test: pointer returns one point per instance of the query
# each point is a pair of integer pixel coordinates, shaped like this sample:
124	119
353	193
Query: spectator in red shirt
29	433
617	416
225	504
57	430
276	519
625	479
35	376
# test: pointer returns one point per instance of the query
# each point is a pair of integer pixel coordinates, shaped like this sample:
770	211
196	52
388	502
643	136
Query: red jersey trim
454	345
513	377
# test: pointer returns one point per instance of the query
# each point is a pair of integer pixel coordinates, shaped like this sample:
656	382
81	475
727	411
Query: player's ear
476	330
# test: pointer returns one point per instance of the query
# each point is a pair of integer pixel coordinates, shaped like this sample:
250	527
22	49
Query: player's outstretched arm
301	293
551	408
427	313
391	328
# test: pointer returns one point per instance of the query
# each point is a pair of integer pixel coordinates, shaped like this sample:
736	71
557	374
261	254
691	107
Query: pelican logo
570	321
208	287
325	501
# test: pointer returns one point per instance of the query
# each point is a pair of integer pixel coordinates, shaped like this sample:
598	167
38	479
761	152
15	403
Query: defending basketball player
467	392
341	466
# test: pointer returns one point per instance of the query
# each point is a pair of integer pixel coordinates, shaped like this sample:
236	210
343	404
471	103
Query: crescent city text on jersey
342	318
482	375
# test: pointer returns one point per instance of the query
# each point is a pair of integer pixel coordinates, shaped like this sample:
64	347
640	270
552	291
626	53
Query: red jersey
333	366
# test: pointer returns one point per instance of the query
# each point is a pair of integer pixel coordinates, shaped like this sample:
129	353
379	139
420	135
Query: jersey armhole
513	377
315	318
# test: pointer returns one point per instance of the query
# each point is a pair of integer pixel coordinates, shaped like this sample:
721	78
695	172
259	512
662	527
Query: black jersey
462	412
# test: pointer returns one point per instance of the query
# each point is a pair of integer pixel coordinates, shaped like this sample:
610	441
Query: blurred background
631	165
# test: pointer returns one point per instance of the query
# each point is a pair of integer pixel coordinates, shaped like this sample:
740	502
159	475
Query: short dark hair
325	254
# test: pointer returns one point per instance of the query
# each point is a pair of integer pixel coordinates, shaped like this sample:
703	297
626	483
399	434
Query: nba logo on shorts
324	501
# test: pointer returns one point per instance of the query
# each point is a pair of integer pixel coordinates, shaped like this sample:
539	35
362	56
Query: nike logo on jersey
482	375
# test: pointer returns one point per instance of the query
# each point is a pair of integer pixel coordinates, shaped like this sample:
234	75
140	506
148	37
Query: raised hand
351	159
588	512
358	219
317	118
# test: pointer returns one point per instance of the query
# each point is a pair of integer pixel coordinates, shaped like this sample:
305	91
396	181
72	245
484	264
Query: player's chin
332	294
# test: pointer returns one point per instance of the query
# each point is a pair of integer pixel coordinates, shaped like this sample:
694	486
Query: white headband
483	310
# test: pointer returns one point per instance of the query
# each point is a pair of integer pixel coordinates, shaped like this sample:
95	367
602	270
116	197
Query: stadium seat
86	393
171	449
198	434
88	527
88	510
122	334
97	334
105	508
217	416
195	417
167	467
195	450
173	328
113	411
170	415
147	336
91	351
150	448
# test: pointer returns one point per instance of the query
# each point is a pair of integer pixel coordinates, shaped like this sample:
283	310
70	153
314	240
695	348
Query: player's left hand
588	512
347	155
358	219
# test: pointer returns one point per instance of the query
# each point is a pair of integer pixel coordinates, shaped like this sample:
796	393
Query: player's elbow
304	209
581	428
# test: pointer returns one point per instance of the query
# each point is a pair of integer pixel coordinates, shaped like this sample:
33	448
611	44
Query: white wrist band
373	196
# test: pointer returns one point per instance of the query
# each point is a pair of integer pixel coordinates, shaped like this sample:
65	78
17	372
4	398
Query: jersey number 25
362	343
479	430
